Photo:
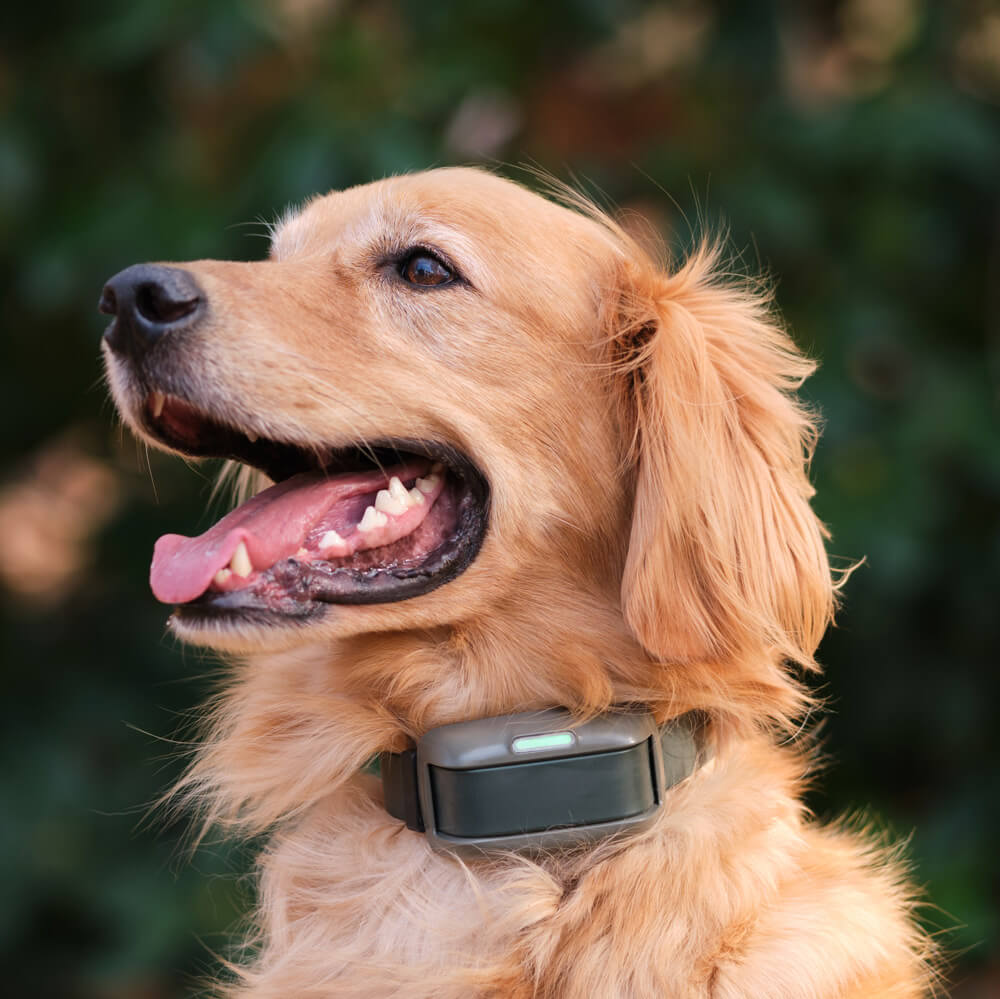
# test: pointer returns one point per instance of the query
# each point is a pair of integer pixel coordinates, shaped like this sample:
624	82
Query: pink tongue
273	525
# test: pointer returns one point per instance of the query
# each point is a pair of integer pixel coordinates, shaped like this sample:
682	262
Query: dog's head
479	406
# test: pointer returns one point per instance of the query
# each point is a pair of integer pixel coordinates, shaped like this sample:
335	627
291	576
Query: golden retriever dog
512	463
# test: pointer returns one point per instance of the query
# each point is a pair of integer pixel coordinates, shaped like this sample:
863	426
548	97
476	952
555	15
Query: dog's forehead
462	208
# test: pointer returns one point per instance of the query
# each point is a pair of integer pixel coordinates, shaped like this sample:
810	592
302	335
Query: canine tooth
330	539
416	497
251	436
240	562
397	490
385	502
221	576
372	518
156	401
429	484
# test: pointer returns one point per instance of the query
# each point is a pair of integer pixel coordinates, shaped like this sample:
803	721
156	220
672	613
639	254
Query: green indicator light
534	743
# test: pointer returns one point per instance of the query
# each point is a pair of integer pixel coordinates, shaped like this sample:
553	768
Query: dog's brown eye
424	269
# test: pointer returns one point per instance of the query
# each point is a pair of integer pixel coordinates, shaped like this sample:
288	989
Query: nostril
108	303
156	305
147	302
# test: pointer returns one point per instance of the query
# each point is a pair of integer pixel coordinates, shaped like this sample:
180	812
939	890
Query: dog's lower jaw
223	636
718	899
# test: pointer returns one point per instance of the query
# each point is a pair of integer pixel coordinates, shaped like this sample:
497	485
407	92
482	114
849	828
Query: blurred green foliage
853	150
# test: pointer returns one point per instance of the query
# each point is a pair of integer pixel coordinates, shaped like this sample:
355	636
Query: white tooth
330	539
240	562
416	497
221	576
251	436
156	401
397	490
373	518
429	484
385	502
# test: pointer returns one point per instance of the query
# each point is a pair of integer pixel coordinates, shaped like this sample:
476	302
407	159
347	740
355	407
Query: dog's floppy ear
725	557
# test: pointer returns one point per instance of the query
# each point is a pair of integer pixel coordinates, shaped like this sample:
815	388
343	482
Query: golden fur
650	541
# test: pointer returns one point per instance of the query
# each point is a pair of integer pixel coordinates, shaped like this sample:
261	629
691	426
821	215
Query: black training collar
539	780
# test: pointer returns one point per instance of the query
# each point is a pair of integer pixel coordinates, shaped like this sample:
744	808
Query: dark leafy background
852	148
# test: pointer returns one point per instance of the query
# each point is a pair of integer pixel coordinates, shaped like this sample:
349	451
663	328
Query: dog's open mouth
382	522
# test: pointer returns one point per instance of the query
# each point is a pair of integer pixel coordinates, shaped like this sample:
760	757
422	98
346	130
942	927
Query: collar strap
539	780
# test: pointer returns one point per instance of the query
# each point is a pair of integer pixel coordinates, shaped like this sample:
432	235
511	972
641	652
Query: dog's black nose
148	301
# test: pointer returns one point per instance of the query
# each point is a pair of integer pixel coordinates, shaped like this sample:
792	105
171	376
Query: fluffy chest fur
728	895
